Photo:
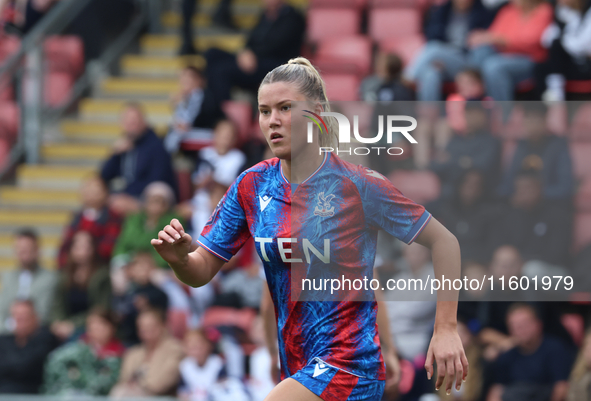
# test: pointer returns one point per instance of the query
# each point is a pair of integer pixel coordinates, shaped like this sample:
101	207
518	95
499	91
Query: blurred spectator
469	85
507	52
392	88
138	159
84	285
90	366
260	382
222	16
28	281
24	351
369	86
580	377
447	31
569	49
138	294
196	112
276	38
471	148
541	231
543	152
96	218
27	13
470	217
537	368
244	285
139	228
151	368
218	166
201	369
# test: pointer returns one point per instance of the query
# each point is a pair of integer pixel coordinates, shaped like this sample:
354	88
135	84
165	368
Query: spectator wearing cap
29	281
139	228
138	159
24	351
96	218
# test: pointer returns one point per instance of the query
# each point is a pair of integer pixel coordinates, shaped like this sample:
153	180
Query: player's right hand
173	244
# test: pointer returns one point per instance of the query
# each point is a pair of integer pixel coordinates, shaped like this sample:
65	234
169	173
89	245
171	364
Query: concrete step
25	198
12	218
9	263
79	153
76	131
126	87
244	18
110	109
168	45
52	177
158	66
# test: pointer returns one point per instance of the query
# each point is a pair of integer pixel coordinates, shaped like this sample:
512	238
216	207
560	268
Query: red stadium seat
350	54
394	22
341	87
4	152
580	153
420	186
324	23
407	47
582	87
240	113
582	232
8	46
176	323
183	178
9	120
356	4
65	54
217	316
58	88
420	4
581	126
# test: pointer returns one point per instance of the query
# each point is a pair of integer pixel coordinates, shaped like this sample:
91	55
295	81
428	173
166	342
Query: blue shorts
332	384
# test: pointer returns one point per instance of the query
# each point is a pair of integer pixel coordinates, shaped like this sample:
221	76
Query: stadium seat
9	121
420	186
324	23
183	178
4	152
240	113
394	22
579	87
407	47
58	88
356	4
580	129
419	4
176	323
219	316
351	54
582	231
580	154
341	87
65	54
8	46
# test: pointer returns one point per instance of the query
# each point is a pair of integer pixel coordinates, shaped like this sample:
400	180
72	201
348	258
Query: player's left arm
446	348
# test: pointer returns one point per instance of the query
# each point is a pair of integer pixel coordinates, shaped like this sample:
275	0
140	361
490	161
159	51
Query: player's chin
282	152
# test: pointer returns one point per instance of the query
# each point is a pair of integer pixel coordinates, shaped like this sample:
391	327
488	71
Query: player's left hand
392	369
447	351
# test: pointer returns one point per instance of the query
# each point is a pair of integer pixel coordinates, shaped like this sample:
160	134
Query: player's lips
276	137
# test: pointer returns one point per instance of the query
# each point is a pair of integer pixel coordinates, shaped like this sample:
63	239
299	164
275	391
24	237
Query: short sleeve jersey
338	210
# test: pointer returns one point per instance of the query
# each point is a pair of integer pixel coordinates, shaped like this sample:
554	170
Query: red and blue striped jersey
330	220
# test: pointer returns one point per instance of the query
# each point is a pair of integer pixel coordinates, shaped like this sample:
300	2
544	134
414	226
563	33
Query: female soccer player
328	350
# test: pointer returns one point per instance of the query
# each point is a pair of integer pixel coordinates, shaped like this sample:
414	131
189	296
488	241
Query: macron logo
264	201
319	369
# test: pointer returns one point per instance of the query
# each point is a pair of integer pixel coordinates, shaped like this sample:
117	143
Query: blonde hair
580	367
301	73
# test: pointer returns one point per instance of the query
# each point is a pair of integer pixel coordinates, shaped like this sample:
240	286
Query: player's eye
264	112
286	107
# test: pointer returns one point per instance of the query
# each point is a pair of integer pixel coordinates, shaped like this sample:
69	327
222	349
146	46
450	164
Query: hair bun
301	61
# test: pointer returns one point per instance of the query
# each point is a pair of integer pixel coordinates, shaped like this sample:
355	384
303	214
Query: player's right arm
194	267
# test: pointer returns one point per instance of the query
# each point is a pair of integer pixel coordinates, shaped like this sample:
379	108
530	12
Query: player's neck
297	171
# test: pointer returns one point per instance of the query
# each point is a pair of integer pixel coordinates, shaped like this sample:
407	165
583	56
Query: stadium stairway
45	195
